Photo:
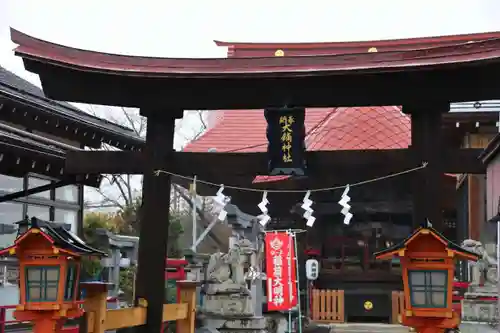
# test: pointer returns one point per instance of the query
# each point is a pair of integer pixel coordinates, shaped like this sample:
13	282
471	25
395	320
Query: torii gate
423	81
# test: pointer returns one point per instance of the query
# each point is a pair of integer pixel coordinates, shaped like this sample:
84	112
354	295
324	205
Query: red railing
459	290
7	310
3	317
175	271
4	323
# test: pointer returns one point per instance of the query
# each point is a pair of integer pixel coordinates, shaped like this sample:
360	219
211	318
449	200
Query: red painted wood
287	67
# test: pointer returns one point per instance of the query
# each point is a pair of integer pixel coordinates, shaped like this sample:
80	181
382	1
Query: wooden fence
398	306
328	306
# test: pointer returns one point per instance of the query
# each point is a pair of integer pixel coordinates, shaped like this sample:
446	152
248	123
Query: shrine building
382	211
36	133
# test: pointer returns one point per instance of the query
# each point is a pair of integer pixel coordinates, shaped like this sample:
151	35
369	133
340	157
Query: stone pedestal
479	315
240	325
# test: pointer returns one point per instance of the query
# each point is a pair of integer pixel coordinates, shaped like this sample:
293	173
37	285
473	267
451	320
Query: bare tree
121	191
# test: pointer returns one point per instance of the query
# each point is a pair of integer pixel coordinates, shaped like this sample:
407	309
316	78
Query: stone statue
485	267
478	312
228	305
229	277
232	270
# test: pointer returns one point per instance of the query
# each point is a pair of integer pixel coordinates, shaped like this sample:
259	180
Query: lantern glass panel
42	283
35	293
428	288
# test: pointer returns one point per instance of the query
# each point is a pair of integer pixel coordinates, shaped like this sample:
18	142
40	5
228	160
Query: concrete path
356	328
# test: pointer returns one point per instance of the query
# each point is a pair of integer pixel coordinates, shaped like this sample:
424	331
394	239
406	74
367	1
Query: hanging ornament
264	218
344	202
308	211
222	200
254	274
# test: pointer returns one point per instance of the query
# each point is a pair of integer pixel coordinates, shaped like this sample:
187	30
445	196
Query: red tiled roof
362	128
326	129
245	131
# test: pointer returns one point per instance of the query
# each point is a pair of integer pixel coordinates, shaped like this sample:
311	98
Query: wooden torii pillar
427	145
153	236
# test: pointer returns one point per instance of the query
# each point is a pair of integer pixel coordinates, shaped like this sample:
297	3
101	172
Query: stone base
228	306
363	328
243	325
479	311
225	288
471	327
481	291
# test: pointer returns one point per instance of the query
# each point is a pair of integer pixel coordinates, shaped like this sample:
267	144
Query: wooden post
187	295
154	215
427	144
44	325
95	305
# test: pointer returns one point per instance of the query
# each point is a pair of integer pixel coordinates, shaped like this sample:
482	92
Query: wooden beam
121	318
136	316
467	82
29	116
34	190
16	160
392	207
427	144
175	311
205	165
465	160
109	162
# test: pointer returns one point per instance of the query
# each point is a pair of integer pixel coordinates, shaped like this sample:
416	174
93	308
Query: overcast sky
187	28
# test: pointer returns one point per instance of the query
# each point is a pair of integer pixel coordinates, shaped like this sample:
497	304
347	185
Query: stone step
368	328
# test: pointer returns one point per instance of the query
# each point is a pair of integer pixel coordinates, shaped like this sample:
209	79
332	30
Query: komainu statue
485	267
229	275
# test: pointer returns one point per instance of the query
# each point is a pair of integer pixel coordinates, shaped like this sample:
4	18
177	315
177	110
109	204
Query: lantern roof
56	235
396	250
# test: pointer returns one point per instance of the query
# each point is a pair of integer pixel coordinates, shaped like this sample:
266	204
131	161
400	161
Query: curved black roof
22	92
63	238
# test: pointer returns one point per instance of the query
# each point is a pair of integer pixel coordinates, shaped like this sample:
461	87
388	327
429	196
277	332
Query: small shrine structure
49	259
428	264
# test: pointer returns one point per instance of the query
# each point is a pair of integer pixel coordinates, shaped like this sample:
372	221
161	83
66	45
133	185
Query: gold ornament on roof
368	305
279	53
372	49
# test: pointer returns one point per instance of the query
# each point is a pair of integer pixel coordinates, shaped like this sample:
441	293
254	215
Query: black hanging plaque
286	135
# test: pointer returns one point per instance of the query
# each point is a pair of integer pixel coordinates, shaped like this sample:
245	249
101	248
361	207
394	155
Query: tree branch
204	218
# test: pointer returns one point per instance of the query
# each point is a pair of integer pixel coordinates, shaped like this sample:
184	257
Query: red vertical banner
281	271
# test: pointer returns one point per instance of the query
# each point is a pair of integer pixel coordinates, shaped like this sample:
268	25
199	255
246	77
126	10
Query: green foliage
127	279
92	268
127	222
175	230
93	221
